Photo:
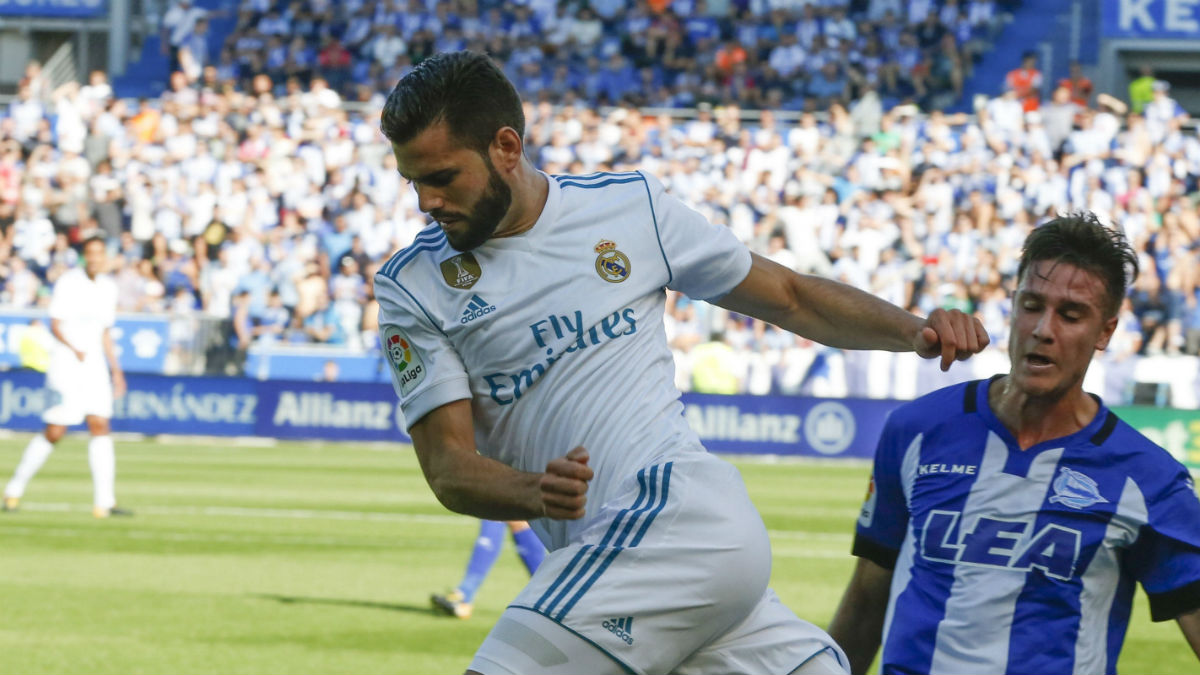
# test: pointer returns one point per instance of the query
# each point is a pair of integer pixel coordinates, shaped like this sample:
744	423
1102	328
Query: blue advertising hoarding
154	404
140	340
308	363
75	9
788	425
329	410
1151	19
346	411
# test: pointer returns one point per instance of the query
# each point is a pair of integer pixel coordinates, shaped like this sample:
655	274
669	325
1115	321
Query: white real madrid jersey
84	307
556	335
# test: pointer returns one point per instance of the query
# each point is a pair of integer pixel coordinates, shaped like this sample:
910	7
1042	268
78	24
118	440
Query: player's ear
506	149
1110	326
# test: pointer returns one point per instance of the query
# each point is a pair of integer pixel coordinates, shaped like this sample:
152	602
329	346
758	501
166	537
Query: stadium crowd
777	54
266	208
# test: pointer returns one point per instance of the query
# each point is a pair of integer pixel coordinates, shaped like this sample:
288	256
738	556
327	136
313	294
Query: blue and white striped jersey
556	334
1011	561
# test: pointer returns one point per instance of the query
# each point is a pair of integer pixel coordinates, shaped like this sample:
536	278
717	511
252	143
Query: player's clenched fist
951	334
564	485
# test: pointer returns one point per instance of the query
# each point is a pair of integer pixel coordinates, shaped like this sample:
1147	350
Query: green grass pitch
319	558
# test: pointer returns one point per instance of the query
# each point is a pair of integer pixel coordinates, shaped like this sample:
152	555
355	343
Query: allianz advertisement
778	425
225	407
369	412
787	425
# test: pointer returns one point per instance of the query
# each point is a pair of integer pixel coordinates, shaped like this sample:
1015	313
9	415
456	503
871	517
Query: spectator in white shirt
387	45
788	56
177	24
26	112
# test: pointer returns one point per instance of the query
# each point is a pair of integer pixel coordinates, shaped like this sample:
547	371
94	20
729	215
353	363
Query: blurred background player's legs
103	462
36	453
458	602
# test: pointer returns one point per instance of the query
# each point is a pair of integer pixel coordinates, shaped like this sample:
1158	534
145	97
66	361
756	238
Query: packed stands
260	199
779	55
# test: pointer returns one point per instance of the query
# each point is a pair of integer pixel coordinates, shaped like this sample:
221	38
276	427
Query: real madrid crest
612	265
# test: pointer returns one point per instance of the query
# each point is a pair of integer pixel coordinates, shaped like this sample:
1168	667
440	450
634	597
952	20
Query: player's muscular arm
857	625
1189	623
466	482
56	331
842	316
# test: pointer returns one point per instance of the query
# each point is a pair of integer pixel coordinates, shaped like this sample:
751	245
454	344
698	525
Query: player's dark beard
485	217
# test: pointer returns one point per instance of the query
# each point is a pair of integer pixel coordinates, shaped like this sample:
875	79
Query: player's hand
564	485
78	354
952	335
118	380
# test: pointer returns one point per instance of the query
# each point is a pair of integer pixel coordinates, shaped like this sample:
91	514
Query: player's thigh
65	396
771	639
662	570
97	394
828	662
526	643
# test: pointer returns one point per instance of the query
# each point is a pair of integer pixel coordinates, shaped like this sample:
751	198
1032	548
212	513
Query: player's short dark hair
92	239
465	89
1080	239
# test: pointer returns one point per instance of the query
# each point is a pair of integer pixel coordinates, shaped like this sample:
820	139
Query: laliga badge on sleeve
867	515
405	359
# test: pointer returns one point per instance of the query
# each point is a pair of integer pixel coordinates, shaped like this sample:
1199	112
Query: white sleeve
60	298
426	370
704	261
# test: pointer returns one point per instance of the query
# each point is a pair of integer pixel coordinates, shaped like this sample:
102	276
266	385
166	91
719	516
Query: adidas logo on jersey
622	628
476	308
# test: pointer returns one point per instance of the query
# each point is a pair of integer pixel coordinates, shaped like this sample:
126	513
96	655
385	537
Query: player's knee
97	426
54	432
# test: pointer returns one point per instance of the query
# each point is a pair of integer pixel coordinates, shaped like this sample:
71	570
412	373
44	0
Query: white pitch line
360	516
158	535
249	512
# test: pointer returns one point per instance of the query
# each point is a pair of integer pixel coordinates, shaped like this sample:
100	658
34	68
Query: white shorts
76	390
669	577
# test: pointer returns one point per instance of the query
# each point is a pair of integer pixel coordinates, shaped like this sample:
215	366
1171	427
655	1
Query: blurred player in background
1009	520
459	602
83	378
529	324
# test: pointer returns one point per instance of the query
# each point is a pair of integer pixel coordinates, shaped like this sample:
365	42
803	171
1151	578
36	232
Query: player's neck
1037	419
529	199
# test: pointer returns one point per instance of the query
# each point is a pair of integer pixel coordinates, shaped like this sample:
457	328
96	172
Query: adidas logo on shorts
622	628
476	308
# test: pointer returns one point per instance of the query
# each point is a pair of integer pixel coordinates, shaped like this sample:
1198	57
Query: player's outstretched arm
466	482
857	625
1189	623
839	315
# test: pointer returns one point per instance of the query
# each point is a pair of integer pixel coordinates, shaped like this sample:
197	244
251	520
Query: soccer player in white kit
83	378
526	339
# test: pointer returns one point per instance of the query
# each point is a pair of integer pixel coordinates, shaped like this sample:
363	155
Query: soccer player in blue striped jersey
1008	521
527	347
459	602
